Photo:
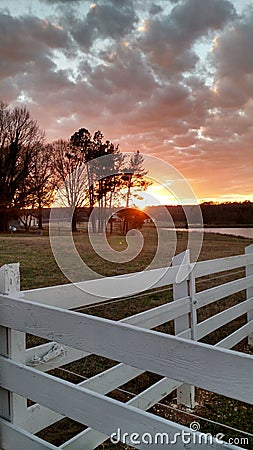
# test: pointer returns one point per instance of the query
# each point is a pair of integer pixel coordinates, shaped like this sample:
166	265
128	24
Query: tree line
235	214
32	170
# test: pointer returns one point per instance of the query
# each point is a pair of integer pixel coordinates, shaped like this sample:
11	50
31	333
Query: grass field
38	269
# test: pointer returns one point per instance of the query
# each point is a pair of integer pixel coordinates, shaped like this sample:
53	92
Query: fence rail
182	361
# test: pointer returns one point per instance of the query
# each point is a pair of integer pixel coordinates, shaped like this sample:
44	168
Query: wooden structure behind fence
181	360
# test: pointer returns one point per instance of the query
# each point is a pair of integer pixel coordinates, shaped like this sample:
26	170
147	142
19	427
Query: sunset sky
172	79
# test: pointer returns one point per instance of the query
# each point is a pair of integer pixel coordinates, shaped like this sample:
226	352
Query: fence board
169	356
13	437
202	268
70	400
236	337
160	315
147	319
102	289
213	323
90	438
211	295
103	383
40	417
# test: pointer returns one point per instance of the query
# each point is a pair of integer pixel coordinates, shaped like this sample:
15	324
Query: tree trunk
111	225
74	227
128	190
40	224
128	196
93	219
4	220
125	226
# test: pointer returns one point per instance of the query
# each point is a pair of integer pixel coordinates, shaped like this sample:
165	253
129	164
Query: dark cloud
27	61
124	67
83	33
233	59
105	20
194	18
163	49
155	9
233	49
24	40
168	40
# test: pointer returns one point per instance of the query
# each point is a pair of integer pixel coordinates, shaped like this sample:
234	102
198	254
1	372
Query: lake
244	232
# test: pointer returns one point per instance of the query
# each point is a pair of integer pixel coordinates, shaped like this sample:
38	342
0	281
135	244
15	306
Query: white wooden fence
181	360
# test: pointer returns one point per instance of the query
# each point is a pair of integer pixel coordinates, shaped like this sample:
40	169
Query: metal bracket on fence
56	351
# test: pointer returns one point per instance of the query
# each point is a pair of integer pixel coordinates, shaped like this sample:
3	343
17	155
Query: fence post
194	317
12	344
249	291
186	392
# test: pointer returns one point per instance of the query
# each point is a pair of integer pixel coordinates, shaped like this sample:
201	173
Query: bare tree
133	178
19	137
88	179
41	181
82	182
72	178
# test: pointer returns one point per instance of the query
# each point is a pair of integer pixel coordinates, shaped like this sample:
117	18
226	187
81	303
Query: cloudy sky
171	78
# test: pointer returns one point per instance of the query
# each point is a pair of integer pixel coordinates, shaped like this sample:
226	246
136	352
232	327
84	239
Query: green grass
38	269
